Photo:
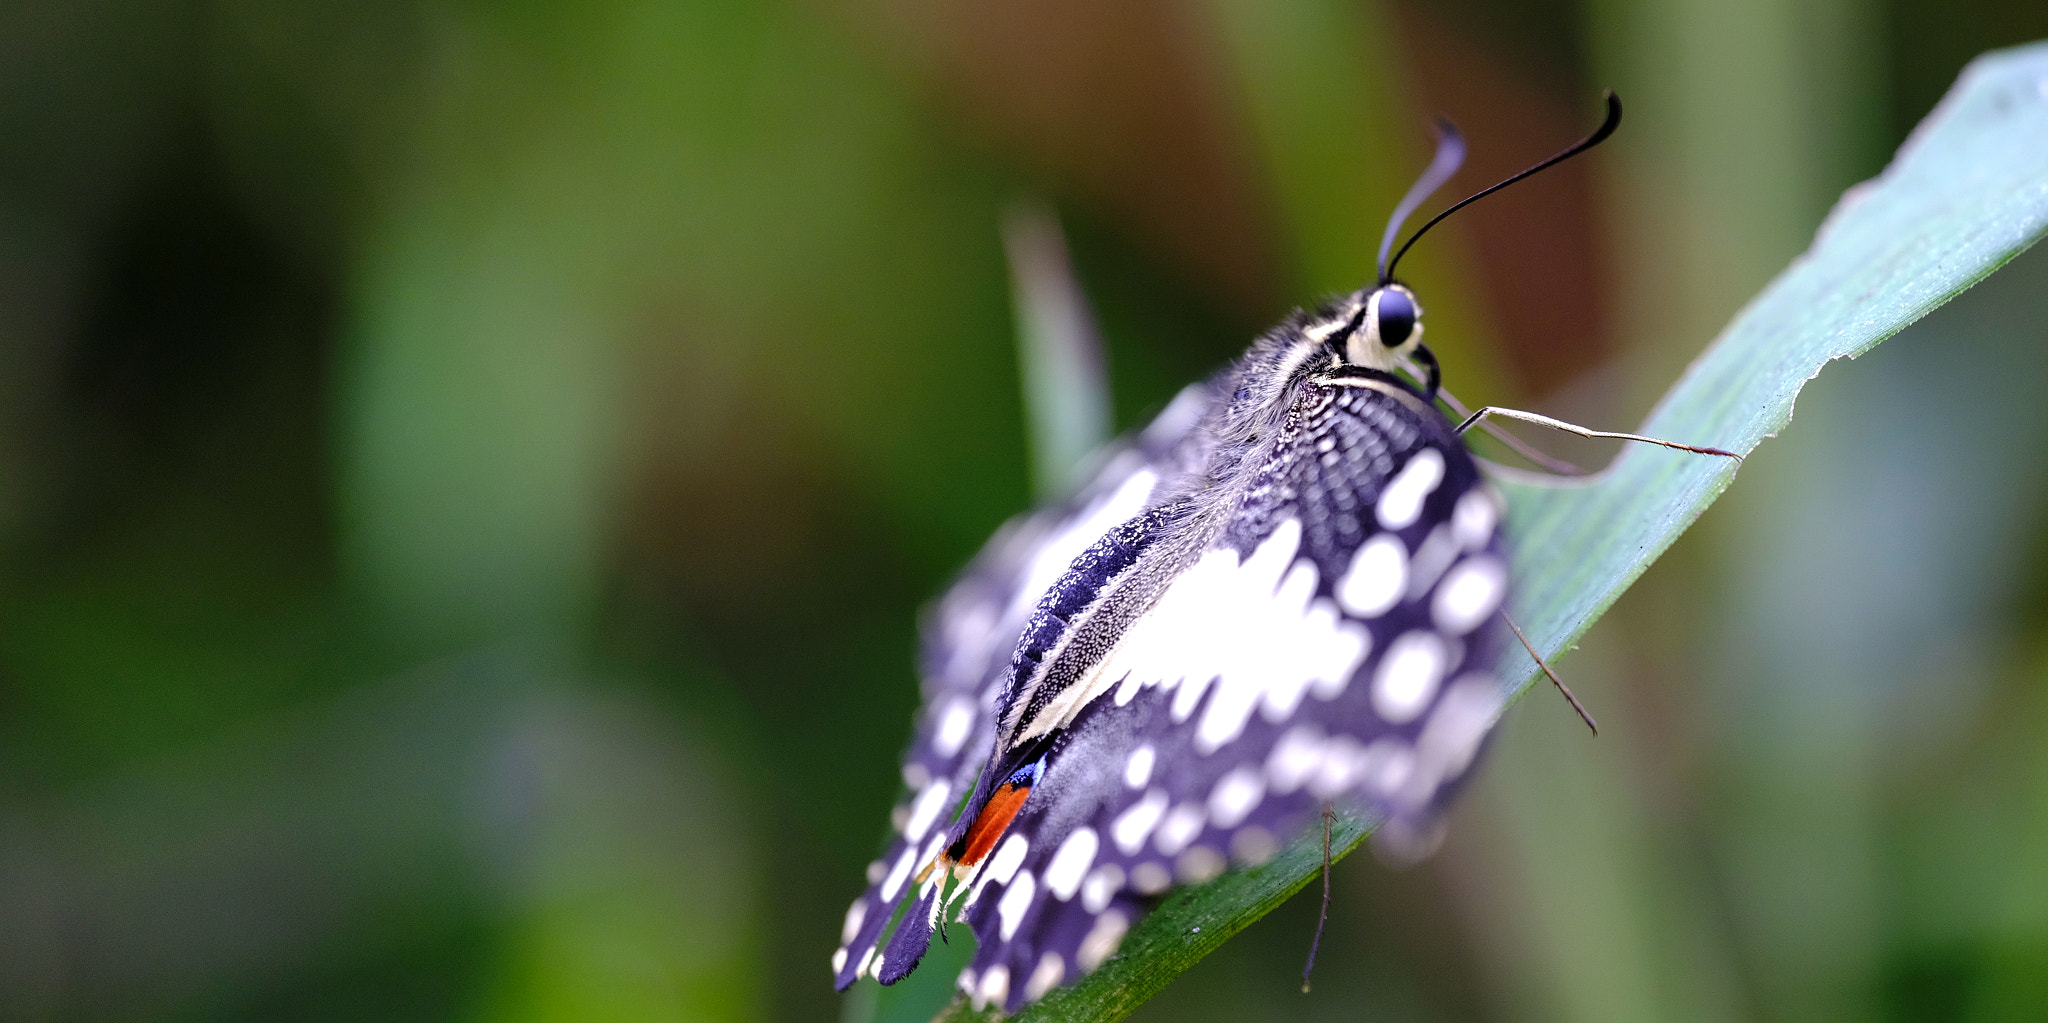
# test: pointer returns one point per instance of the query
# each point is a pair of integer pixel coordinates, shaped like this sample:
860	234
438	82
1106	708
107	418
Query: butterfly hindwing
1333	640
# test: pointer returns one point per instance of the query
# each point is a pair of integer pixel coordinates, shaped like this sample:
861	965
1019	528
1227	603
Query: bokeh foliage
468	472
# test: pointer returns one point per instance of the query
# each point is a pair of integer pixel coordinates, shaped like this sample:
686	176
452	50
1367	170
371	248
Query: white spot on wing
1408	675
1051	970
1235	796
1385	766
1102	940
899	873
839	962
1191	635
1377	577
1474	518
995	987
1001	866
1339	769
1128	688
1102	885
1199	864
856	915
926	809
1272	556
1253	629
1295	757
1451	736
1189	694
1263	649
1138	769
1004	864
954	724
932	885
1325	652
1131	827
1070	864
1470	591
1401	503
1016	900
1150	878
1253	845
1180	827
931	848
1438	550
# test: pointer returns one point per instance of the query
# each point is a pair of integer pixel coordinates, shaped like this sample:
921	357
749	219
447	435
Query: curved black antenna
1450	155
1599	135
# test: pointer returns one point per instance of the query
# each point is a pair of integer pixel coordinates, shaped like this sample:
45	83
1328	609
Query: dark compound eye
1397	317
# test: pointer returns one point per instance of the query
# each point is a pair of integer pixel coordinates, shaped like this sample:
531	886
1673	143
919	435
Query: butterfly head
1389	328
1378	328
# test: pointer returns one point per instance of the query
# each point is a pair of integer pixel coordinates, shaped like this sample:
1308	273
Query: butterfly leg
1554	680
1577	430
1514	443
1329	815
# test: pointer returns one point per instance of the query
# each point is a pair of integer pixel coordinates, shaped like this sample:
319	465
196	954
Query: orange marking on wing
994	819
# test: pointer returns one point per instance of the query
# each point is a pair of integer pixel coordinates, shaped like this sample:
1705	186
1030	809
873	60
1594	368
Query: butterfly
1284	592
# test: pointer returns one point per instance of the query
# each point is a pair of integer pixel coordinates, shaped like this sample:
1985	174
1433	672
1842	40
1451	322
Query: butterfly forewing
1334	641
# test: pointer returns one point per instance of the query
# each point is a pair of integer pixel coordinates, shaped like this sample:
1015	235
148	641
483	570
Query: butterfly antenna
1450	155
1599	135
1328	816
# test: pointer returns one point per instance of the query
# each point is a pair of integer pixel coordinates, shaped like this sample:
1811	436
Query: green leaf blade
1967	192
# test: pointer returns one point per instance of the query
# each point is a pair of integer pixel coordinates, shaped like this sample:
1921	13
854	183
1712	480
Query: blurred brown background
468	473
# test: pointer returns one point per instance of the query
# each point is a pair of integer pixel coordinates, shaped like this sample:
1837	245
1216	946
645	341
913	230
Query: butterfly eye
1395	316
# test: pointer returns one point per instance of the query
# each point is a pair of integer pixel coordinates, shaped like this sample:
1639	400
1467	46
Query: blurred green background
468	473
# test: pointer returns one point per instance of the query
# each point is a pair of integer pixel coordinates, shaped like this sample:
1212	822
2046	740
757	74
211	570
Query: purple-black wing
1335	638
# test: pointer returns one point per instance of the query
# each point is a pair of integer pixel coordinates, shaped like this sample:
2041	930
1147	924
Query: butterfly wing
970	633
1333	639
